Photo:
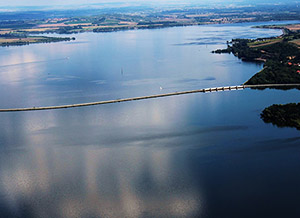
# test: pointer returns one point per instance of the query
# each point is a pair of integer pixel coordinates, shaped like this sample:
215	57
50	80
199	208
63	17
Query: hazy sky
73	2
4	3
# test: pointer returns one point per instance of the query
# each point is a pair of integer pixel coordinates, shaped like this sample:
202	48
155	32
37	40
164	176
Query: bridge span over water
206	90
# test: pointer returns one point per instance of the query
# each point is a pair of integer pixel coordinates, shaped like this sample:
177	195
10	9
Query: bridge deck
216	89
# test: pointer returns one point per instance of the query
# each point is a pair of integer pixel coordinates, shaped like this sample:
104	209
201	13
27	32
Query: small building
291	57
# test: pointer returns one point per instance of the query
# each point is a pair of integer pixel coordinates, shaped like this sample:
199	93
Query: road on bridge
217	89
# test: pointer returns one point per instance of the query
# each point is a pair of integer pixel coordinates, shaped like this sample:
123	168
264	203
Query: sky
4	3
71	2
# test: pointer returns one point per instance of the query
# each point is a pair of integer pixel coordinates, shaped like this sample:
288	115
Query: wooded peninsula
280	55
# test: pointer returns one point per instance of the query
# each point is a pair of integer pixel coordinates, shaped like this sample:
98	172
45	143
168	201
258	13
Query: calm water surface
202	155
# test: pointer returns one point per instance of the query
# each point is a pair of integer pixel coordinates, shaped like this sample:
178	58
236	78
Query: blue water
201	155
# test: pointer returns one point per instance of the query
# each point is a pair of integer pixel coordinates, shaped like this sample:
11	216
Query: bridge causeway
216	89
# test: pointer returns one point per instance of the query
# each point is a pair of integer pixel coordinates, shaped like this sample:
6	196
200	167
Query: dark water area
201	155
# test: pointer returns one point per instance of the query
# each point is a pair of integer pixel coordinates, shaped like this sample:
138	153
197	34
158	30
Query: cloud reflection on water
110	178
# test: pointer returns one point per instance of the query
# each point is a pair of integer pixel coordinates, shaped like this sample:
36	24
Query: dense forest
283	115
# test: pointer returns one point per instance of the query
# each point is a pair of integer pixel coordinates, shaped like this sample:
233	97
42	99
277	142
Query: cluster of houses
293	64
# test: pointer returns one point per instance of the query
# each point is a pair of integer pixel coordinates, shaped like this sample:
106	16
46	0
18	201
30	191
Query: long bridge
216	89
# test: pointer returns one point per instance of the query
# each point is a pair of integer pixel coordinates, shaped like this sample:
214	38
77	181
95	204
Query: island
283	115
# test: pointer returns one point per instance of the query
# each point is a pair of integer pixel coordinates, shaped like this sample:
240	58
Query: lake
201	155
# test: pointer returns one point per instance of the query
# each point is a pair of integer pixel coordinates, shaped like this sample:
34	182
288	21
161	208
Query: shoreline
36	34
280	55
32	40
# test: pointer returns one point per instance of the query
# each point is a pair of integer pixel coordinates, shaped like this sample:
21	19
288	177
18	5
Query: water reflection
44	182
